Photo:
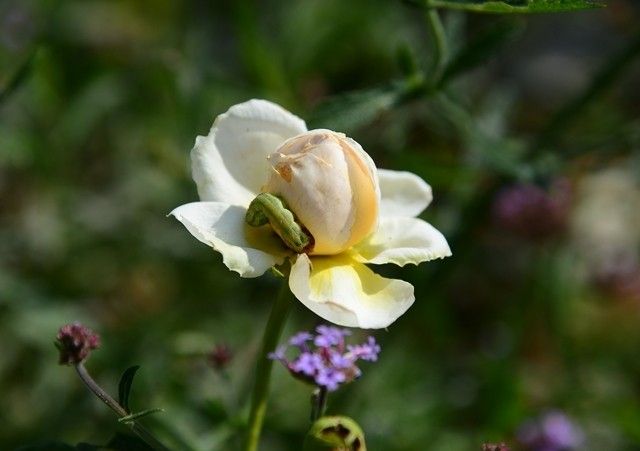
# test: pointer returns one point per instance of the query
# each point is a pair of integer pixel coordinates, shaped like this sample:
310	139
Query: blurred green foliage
100	102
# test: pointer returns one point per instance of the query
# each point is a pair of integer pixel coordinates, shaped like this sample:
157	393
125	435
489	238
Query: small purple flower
330	378
554	431
300	339
330	336
368	351
339	360
75	342
278	354
307	363
322	358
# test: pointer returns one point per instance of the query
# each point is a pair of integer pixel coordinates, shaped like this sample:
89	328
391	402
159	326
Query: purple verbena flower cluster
324	359
531	211
495	447
554	431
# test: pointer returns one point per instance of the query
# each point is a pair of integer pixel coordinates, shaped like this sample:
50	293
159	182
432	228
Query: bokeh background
531	143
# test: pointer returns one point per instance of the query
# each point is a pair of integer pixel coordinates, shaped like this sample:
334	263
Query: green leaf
335	432
21	74
60	446
47	446
124	386
479	50
513	7
352	110
138	415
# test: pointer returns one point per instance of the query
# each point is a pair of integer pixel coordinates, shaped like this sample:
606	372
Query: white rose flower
354	213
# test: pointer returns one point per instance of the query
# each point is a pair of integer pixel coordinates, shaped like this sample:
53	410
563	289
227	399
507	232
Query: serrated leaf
482	48
335	432
504	7
124	386
138	415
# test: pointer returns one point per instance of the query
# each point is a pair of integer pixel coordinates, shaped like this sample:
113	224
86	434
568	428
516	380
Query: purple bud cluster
495	447
75	342
533	212
324	359
554	431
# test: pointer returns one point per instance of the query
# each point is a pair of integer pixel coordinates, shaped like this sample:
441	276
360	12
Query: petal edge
402	241
222	227
347	293
230	164
403	193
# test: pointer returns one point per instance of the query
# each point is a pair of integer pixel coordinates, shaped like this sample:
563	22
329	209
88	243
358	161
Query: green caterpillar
269	209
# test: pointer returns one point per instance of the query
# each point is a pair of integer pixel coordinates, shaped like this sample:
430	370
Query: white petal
403	193
347	293
230	164
402	241
246	250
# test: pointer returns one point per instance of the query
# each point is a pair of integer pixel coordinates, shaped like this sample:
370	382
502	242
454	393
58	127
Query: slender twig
440	48
272	332
318	403
136	427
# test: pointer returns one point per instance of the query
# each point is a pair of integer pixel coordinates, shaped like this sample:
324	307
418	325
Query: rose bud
330	184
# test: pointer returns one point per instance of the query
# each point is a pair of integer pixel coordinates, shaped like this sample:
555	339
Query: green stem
318	403
136	427
440	49
275	324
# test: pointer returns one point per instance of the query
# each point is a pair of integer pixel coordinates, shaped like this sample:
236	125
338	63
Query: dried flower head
324	359
75	342
220	356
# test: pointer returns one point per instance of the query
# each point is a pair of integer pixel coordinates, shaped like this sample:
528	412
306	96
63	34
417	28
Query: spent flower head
75	342
220	356
324	359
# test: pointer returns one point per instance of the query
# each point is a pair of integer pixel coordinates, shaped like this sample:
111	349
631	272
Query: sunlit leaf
514	7
348	112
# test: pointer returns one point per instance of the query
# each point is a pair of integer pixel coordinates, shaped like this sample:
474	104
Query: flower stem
136	427
440	48
272	332
318	403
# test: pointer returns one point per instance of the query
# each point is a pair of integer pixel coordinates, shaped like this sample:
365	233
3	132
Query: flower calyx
269	209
